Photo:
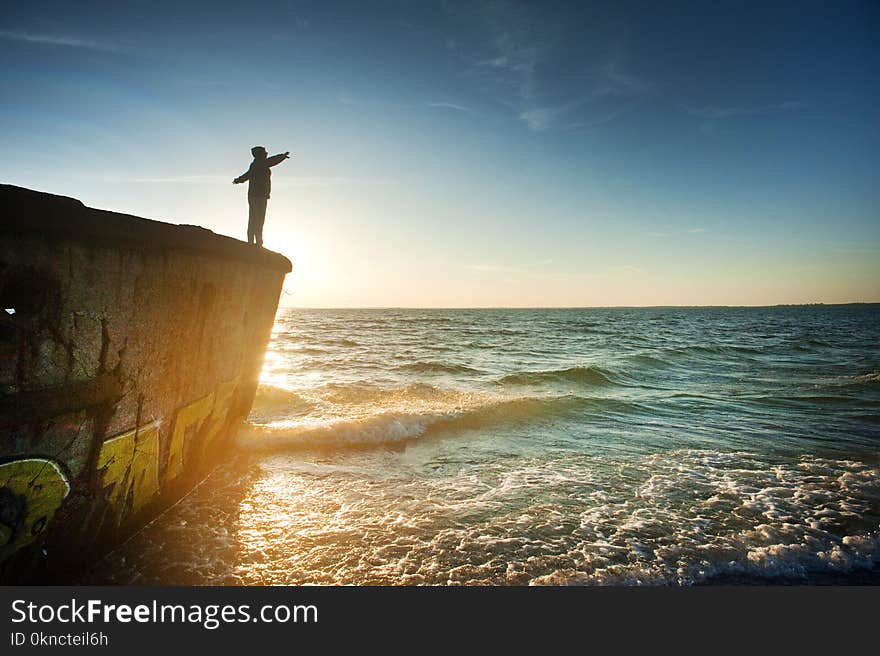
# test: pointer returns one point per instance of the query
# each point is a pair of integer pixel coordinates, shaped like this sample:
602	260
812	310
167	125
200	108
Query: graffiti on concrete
222	400
128	467
209	412
31	491
187	423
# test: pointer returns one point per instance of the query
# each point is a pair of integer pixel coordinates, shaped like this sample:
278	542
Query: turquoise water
583	446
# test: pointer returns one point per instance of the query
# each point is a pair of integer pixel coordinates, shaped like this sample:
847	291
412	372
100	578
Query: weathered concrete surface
131	357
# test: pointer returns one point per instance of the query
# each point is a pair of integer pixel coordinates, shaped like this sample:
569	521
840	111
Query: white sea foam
684	517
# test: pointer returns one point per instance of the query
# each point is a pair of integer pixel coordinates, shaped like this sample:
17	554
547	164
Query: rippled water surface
583	446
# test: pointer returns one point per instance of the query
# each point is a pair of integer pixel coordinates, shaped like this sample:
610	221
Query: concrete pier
130	352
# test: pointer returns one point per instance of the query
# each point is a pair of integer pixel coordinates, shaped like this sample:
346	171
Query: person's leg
260	219
252	219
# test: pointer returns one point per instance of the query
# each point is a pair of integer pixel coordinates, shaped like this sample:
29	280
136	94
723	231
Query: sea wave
579	375
368	393
307	350
344	341
805	400
711	350
438	368
647	360
271	401
389	428
298	337
873	377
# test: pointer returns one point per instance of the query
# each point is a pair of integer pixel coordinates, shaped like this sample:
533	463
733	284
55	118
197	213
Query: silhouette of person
259	179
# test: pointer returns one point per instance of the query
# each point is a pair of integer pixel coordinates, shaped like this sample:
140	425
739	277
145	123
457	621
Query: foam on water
683	517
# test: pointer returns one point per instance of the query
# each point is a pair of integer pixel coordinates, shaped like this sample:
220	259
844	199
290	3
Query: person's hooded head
259	152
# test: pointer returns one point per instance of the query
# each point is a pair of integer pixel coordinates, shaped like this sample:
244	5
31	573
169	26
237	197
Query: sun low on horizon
475	154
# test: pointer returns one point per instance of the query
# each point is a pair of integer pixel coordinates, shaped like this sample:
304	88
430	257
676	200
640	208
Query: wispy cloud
602	118
544	118
516	59
579	114
57	40
550	75
717	113
453	106
617	80
347	99
542	71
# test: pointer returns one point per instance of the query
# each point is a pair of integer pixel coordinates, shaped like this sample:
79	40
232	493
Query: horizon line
563	307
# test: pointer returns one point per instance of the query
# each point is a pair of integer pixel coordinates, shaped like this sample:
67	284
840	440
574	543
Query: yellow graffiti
222	398
129	466
31	491
191	416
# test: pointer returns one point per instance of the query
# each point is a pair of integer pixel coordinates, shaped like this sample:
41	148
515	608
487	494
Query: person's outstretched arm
244	177
277	159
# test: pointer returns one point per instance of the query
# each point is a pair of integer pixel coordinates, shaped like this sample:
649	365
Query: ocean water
572	446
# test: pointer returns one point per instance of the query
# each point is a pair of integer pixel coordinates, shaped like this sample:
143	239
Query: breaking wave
273	401
389	428
873	377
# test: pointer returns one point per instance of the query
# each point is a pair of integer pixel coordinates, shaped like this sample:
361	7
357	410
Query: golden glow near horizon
360	268
381	245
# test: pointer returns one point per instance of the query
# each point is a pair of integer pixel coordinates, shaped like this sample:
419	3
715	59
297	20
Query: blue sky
476	153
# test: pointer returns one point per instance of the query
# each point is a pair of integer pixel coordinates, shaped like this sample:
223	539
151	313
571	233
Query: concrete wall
131	358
